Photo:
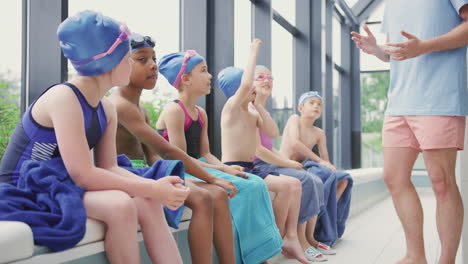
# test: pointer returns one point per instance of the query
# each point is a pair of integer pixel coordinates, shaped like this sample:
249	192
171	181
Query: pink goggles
188	55
262	77
124	34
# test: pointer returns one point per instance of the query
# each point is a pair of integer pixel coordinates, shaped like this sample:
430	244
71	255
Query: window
242	32
351	3
282	70
374	102
336	118
10	69
286	9
336	41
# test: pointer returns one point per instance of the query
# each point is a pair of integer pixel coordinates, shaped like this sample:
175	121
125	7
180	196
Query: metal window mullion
355	107
328	93
193	31
220	54
40	35
345	76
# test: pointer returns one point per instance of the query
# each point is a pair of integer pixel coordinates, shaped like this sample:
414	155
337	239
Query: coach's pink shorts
424	132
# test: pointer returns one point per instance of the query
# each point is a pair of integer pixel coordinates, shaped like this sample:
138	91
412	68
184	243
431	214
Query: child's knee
200	200
295	185
218	193
121	208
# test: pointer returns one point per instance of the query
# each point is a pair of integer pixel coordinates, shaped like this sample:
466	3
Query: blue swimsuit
31	141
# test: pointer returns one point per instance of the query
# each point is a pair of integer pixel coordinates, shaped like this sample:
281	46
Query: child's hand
256	43
294	165
235	170
327	164
225	184
170	191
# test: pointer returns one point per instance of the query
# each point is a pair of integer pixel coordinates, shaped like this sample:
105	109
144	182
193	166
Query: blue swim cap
88	34
170	65
259	67
138	41
307	95
229	80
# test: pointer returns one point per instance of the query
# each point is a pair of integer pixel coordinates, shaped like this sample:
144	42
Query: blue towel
47	200
160	168
331	222
256	237
312	188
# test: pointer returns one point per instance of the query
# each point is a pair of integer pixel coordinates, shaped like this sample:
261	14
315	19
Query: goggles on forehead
138	41
124	34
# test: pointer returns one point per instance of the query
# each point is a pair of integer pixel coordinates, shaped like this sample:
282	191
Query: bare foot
410	260
292	249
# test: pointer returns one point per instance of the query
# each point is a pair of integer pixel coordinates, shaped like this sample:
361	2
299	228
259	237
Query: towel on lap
160	168
331	222
256	237
47	200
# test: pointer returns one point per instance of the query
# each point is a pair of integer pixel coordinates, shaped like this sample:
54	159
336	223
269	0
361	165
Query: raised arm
266	122
368	44
249	71
456	38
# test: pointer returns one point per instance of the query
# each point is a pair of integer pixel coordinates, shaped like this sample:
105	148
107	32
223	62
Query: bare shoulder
229	105
203	112
108	105
293	120
173	108
61	94
319	130
294	117
121	103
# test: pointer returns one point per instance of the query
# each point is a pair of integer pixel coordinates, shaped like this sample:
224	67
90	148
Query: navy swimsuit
31	141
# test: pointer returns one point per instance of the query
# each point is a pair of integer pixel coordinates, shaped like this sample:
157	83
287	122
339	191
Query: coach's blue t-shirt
433	83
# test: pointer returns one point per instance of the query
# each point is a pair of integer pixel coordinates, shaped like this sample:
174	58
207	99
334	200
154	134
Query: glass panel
374	88
156	18
242	32
336	41
378	14
10	69
287	9
370	62
351	3
282	70
336	118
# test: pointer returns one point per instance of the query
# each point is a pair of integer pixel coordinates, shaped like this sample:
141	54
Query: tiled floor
376	236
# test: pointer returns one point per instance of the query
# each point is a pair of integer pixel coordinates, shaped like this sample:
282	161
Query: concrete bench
17	246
